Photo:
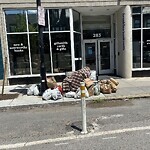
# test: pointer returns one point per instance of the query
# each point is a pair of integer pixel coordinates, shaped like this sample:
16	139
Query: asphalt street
113	125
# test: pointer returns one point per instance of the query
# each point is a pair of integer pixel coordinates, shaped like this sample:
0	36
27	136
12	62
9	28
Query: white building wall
124	42
71	3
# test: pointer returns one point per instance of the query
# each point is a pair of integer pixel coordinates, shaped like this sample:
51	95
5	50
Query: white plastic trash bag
78	93
70	94
56	94
50	94
36	91
93	75
97	89
30	90
47	94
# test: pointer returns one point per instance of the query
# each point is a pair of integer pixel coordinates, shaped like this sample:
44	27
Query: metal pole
4	76
41	50
83	108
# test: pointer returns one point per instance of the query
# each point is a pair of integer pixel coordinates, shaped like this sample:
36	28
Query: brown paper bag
114	81
88	82
106	88
91	90
51	82
113	87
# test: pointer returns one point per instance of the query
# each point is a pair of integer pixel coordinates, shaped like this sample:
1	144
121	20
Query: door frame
111	70
97	54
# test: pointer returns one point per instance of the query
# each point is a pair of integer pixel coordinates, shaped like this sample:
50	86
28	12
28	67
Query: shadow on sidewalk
20	89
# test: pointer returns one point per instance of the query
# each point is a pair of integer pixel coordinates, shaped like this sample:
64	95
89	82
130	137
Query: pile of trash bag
94	87
53	92
70	86
108	86
72	82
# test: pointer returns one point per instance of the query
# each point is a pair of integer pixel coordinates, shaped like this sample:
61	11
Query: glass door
90	54
105	54
99	56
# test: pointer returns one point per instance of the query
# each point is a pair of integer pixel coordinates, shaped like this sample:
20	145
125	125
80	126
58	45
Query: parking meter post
83	108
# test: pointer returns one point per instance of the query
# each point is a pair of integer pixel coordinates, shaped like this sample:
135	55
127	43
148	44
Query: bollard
83	108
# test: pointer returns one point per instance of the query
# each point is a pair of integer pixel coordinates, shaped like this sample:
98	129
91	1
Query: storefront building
111	37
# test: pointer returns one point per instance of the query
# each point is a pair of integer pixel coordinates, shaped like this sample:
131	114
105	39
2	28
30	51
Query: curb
63	103
129	97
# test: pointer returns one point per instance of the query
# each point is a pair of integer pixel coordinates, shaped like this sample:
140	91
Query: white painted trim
112	45
141	39
29	50
72	39
18	32
116	43
50	43
35	75
140	69
82	43
57	31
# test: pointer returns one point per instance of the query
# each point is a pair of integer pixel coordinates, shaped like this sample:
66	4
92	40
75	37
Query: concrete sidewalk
127	88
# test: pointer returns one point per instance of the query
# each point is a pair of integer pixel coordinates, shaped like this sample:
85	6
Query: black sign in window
94	34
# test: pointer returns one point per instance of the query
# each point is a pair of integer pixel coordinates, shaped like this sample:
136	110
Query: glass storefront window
77	45
16	20
146	20
18	54
61	52
136	21
146	48
46	28
136	10
32	20
35	56
141	53
78	64
76	21
136	48
47	53
78	52
59	19
23	46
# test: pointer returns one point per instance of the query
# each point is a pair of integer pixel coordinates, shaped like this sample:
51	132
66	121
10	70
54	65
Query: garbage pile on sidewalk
70	86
